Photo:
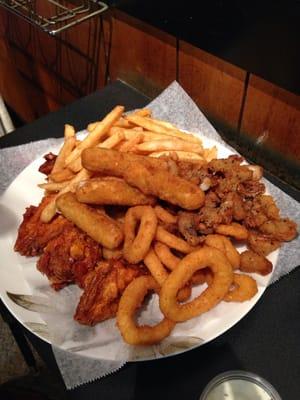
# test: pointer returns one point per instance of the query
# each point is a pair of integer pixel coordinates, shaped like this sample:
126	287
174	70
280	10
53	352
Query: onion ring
155	267
222	279
171	261
224	244
244	288
238	231
173	241
166	256
137	246
202	276
131	298
153	263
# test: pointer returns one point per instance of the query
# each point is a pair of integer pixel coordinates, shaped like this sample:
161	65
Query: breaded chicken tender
111	190
99	226
150	177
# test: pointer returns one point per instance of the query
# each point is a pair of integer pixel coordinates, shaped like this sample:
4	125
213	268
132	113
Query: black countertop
265	341
261	37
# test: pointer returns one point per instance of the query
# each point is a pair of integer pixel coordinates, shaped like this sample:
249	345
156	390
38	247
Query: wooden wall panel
215	85
272	115
63	68
25	98
141	55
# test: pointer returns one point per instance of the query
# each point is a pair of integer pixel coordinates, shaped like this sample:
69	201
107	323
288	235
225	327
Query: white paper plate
16	272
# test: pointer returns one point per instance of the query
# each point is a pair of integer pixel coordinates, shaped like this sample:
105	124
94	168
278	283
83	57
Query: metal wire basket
54	16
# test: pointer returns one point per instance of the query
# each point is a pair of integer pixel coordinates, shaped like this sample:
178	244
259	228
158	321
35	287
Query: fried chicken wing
33	235
69	257
48	165
67	253
103	288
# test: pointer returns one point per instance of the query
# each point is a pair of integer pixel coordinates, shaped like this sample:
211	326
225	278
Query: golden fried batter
253	262
103	288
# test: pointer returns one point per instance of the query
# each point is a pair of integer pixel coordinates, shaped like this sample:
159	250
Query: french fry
69	131
143	112
50	210
97	133
121	122
91	126
146	123
210	154
109	143
130	143
112	141
147	135
149	125
53	186
75	165
61	176
168	145
165	124
66	149
180	155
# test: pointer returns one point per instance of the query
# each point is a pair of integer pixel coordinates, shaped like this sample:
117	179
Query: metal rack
54	16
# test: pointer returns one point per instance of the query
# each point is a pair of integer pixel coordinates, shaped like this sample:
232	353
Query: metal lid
239	385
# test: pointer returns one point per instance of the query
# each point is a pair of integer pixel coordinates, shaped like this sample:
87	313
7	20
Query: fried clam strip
237	231
112	191
103	288
262	244
98	226
146	175
253	262
218	288
130	301
283	229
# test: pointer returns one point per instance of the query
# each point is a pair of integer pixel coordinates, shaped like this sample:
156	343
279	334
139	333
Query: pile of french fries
137	132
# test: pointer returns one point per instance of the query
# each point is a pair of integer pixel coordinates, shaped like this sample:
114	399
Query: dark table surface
265	341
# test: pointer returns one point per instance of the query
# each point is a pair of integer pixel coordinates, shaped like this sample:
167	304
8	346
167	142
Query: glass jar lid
239	385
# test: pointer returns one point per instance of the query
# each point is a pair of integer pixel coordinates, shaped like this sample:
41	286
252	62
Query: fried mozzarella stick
111	190
98	226
145	174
